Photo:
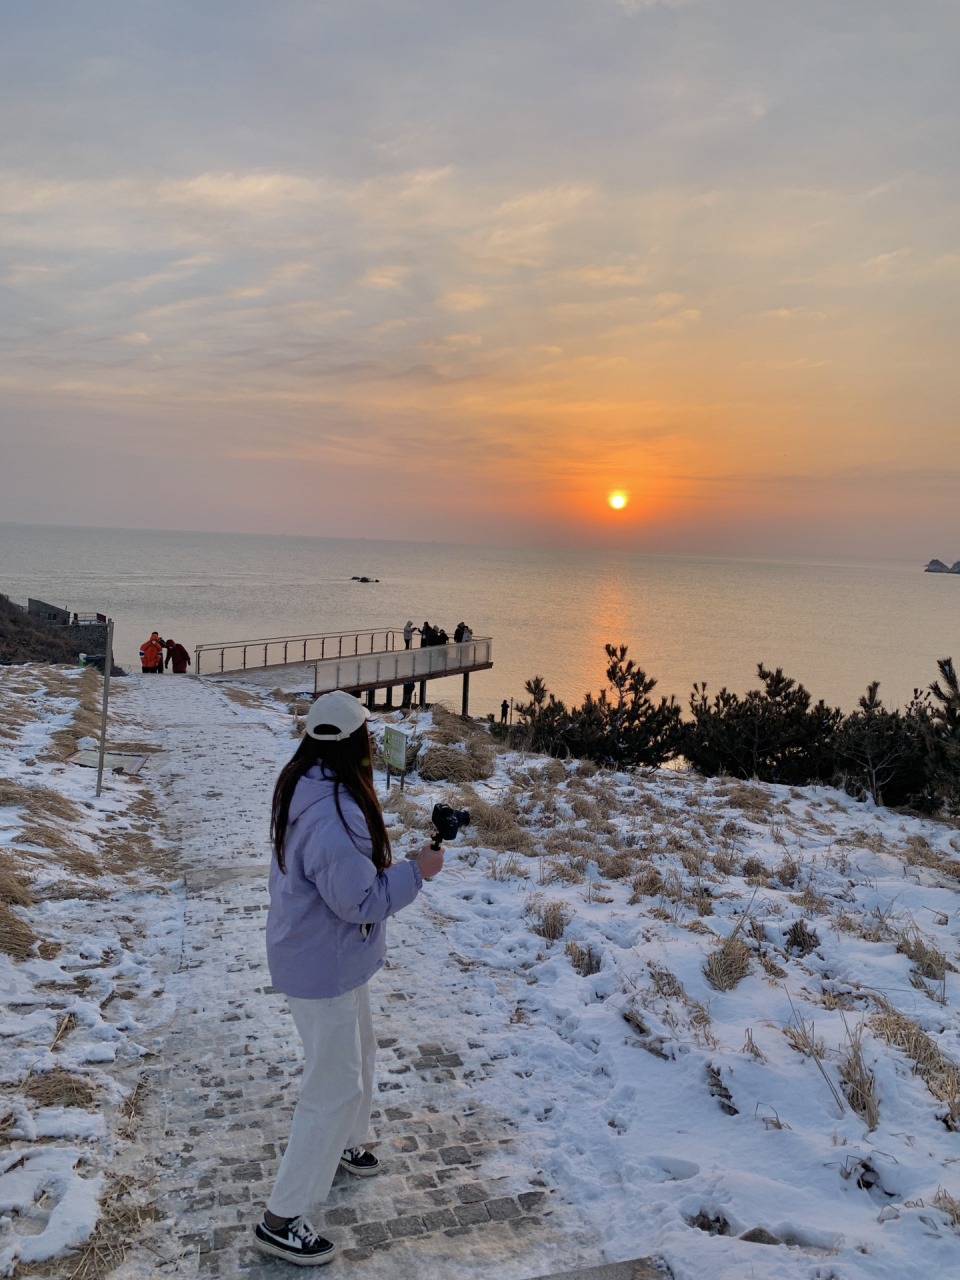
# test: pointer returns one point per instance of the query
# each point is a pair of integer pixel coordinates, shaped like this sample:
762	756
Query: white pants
336	1096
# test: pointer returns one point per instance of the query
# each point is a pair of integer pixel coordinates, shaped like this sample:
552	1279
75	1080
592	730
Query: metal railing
402	666
278	651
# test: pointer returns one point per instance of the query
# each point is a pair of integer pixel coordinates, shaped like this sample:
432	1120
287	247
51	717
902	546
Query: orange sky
462	275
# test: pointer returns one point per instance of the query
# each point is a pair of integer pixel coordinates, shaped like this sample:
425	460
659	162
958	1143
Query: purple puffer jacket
325	927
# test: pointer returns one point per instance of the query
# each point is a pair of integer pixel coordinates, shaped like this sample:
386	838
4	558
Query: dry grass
804	1039
771	968
754	869
585	960
448	764
724	863
948	1205
13	891
553	871
583	807
86	717
120	1223
553	773
858	1082
41	803
496	827
16	937
930	962
410	814
51	840
448	727
503	867
750	1046
812	902
617	866
918	852
800	938
728	964
939	1074
550	919
788	870
645	883
59	1088
754	802
692	860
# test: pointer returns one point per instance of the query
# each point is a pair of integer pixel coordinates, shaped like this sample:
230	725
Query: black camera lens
449	821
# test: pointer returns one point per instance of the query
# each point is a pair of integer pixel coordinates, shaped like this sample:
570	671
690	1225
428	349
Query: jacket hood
313	786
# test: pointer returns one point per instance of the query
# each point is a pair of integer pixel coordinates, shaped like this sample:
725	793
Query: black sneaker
360	1162
296	1242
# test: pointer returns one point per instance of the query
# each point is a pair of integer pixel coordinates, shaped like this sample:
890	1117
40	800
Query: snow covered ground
88	923
701	1009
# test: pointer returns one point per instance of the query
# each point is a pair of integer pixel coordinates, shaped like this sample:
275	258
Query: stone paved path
456	1194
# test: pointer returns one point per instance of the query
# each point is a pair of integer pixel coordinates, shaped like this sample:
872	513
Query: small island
937	566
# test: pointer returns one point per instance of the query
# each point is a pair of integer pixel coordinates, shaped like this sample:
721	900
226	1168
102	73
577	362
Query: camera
447	822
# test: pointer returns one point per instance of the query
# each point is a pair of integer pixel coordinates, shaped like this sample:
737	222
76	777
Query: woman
332	885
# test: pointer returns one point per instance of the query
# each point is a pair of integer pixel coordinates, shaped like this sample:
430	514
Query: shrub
883	753
773	734
622	728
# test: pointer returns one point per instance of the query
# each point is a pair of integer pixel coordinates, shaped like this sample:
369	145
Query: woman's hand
430	861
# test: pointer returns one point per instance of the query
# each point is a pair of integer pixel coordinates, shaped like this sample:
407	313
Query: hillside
23	639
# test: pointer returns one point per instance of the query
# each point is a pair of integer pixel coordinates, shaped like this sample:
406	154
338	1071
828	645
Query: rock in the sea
937	566
760	1235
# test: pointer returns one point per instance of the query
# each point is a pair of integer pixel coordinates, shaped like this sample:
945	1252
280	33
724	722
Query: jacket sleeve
347	880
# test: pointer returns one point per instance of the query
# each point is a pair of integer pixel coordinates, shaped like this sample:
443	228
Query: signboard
395	749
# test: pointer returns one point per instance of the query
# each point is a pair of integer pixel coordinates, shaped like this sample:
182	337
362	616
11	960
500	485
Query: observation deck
356	661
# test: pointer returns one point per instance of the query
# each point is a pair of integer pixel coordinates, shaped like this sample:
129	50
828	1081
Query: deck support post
423	693
389	697
465	706
371	698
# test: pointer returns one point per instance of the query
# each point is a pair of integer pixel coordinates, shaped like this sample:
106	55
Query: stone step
651	1268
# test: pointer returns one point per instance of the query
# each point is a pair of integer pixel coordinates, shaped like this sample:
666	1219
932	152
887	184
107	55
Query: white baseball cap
340	709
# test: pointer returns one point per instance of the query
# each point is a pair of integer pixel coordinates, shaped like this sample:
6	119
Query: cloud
467	299
661	239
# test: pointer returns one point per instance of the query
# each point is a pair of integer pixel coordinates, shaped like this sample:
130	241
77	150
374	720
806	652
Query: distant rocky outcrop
937	566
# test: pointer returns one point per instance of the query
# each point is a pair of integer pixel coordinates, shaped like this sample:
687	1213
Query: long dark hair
348	763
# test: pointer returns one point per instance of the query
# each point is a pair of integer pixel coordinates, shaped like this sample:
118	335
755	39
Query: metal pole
464	709
107	664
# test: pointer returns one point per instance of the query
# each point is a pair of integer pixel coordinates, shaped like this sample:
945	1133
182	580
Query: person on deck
177	655
408	633
333	884
458	634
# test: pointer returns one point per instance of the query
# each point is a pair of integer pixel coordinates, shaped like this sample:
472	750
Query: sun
618	501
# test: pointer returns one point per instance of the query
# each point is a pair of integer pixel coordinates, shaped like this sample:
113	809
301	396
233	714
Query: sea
834	625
